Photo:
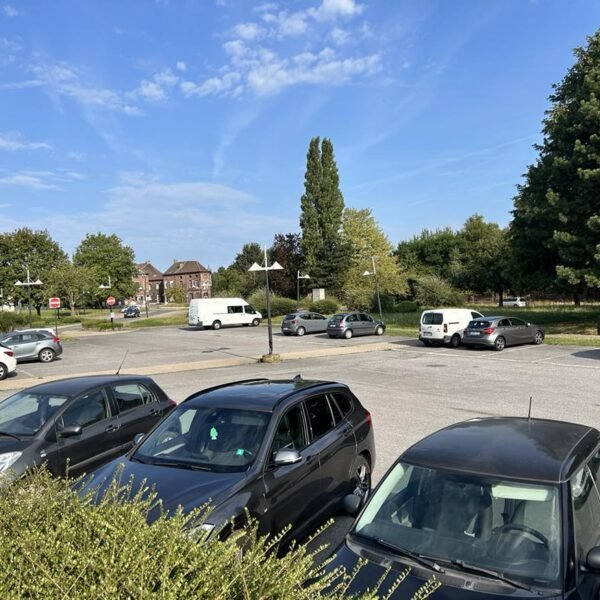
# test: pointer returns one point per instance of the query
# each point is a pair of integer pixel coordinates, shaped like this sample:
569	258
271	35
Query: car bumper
435	340
478	341
336	332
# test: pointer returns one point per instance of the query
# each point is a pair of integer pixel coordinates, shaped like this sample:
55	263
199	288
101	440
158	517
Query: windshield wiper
491	573
421	559
179	465
12	435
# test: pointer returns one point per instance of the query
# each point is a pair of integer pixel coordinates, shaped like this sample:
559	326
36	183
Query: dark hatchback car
131	312
493	508
83	422
287	451
500	332
348	325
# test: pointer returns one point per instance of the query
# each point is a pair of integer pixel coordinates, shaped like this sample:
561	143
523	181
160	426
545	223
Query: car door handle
347	429
155	412
113	427
311	459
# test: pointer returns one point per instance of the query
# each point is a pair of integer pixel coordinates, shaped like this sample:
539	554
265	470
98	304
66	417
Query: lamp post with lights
373	272
28	283
103	286
298	278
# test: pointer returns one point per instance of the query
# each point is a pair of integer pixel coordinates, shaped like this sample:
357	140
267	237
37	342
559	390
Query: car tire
300	331
46	355
360	483
538	338
455	341
426	343
379	330
216	325
3	371
255	322
348	334
500	343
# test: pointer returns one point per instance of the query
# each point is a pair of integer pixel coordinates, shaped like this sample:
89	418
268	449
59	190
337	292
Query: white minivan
218	312
445	325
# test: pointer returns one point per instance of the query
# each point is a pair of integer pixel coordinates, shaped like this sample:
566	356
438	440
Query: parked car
285	451
34	344
493	508
81	421
301	322
445	325
8	363
218	312
347	325
131	312
514	301
499	332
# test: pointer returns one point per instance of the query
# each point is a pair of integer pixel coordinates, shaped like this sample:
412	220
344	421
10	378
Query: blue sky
182	126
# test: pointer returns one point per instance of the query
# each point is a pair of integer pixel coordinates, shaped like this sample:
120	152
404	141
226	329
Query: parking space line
552	357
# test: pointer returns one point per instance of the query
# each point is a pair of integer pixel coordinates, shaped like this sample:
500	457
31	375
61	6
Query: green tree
366	241
287	252
559	200
176	294
71	283
108	257
322	205
25	249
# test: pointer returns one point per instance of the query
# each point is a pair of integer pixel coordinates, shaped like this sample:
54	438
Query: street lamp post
374	273
274	267
298	278
145	275
28	284
102	286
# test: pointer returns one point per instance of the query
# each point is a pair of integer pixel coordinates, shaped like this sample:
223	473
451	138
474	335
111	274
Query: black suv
287	451
493	508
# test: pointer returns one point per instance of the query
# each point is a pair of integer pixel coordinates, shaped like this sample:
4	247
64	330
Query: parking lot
410	390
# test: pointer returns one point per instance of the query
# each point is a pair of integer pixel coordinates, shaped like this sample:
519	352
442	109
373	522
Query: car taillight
445	327
488	330
9	352
293	322
368	417
55	340
171	403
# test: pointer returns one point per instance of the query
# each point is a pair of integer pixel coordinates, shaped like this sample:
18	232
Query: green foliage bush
327	306
55	544
101	325
11	320
406	306
279	304
388	303
431	290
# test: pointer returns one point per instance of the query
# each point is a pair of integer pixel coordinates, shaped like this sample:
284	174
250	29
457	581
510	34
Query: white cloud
332	9
13	140
10	11
41	180
181	66
248	31
214	85
79	156
339	36
157	89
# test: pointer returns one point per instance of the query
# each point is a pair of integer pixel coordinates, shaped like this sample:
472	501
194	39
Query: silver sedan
499	332
33	344
301	322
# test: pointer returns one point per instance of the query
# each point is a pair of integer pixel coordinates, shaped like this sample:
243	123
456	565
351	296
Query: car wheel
255	322
455	341
300	331
500	343
379	330
360	484
538	338
348	334
3	371
426	342
46	355
216	325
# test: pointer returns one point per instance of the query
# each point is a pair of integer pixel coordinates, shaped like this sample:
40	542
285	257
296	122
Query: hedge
326	306
279	304
55	544
11	320
406	306
101	325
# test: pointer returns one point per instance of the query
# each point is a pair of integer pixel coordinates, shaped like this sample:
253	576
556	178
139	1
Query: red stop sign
111	301
53	302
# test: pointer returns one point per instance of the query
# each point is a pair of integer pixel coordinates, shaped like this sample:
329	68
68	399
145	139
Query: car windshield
214	439
24	413
479	324
289	317
433	319
508	527
250	309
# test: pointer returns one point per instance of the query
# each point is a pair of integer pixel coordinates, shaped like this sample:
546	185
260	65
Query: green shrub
406	306
431	290
54	544
101	325
388	303
279	304
327	306
11	320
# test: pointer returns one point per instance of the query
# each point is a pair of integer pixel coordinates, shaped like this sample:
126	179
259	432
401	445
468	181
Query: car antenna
124	357
530	402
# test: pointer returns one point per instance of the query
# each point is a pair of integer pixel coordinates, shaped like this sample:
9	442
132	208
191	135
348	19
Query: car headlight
8	459
203	531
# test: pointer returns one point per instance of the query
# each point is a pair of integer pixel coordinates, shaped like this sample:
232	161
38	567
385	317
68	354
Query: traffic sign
111	301
53	302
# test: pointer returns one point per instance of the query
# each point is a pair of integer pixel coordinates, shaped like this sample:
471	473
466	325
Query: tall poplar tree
557	211
322	205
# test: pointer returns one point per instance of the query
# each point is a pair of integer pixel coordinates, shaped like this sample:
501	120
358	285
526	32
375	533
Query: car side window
504	323
305	316
475	315
344	403
235	309
586	512
85	411
363	317
517	322
291	432
319	415
128	396
148	395
28	338
351	319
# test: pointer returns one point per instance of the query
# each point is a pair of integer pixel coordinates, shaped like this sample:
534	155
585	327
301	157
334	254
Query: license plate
426	333
474	332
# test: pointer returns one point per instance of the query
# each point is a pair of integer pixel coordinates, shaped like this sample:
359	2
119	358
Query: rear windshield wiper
463	566
12	435
421	559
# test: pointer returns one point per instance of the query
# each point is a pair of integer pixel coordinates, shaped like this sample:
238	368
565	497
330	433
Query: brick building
194	278
150	279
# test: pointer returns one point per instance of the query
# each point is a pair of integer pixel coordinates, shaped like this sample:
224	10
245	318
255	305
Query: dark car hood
174	487
454	586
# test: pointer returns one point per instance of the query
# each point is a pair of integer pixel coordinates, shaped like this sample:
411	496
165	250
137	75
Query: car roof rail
222	385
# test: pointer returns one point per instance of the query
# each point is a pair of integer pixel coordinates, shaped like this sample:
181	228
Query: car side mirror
286	457
351	504
69	431
138	438
592	561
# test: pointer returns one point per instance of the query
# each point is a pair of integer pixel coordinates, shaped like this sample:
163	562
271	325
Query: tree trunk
72	306
38	310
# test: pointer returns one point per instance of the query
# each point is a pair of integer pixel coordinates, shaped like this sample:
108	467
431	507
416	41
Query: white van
445	325
217	312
